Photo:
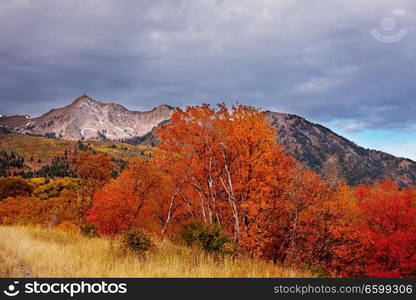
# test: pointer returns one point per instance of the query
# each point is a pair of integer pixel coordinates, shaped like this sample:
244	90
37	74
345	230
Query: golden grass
38	252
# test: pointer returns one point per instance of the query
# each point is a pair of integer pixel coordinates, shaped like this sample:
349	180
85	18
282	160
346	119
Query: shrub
89	230
137	241
208	237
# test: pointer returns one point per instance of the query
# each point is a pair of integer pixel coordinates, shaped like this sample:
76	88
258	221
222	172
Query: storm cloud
316	59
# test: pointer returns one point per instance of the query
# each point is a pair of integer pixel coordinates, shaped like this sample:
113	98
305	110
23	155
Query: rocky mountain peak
87	118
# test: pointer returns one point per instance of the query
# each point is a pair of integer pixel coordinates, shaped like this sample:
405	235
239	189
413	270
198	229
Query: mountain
335	157
316	146
86	119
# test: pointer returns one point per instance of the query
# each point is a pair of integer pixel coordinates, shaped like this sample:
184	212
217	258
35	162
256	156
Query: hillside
335	157
36	153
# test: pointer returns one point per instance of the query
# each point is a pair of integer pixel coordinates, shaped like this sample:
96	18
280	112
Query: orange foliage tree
227	167
126	201
94	171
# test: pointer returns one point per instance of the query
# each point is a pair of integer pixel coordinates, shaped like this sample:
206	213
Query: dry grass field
38	252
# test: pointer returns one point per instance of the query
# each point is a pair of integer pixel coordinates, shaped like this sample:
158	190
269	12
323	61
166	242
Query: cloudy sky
348	64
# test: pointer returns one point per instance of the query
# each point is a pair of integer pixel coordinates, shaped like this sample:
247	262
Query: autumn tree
312	225
224	164
125	201
94	171
345	249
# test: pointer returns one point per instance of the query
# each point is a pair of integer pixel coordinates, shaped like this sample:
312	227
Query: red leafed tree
388	230
124	202
308	222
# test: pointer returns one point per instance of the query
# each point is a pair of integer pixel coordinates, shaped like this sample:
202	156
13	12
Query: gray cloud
313	58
